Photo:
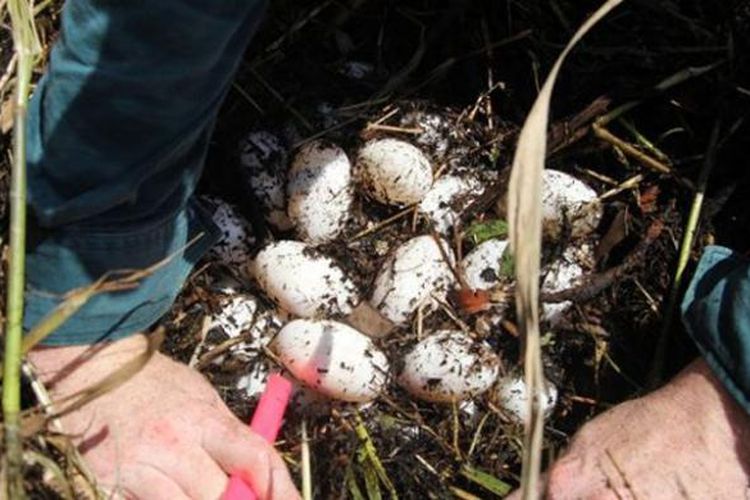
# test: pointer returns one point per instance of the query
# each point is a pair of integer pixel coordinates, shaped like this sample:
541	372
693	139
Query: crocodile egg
263	157
449	366
319	191
567	200
410	276
393	171
482	266
512	395
333	359
447	198
562	274
303	281
244	313
236	233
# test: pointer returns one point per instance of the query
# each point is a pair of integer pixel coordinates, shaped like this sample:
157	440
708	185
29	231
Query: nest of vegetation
351	71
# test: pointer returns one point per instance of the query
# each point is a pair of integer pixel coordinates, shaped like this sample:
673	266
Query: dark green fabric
716	313
117	136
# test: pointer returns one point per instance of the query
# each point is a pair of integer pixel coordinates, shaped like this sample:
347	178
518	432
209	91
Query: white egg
303	281
410	276
568	203
254	381
319	191
436	130
236	233
512	395
244	313
393	172
332	358
449	366
264	158
560	275
482	267
447	198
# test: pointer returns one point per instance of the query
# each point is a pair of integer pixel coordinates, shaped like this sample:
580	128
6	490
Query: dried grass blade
524	217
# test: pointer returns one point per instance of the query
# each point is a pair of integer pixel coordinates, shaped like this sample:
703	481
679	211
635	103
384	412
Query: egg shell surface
320	191
410	276
303	281
512	395
236	234
244	313
393	172
566	199
482	266
447	198
264	157
562	274
333	359
449	366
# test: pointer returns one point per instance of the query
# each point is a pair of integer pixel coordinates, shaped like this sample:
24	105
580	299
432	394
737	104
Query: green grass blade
486	480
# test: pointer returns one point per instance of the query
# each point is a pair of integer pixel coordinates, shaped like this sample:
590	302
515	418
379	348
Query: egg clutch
329	322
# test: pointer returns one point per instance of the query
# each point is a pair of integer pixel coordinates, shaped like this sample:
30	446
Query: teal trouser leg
118	131
716	313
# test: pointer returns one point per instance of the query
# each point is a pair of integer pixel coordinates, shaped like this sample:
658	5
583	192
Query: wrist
75	366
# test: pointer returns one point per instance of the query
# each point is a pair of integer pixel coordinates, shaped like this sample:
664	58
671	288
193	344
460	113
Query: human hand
164	433
686	440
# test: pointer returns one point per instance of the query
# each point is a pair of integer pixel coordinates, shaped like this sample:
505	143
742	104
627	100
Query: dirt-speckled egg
264	158
567	200
447	198
437	130
393	171
449	366
566	272
244	313
410	277
303	281
236	233
332	358
319	191
512	395
482	267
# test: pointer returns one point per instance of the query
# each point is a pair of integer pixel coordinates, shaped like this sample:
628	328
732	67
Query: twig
688	238
306	466
8	72
629	150
283	101
392	128
205	327
596	283
380	225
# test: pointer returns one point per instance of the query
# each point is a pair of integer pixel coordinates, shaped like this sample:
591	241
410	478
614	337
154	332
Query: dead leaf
524	216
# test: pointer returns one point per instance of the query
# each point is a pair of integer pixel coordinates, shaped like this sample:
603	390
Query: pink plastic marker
266	422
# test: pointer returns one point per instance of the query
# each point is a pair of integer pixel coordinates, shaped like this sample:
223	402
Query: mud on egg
393	172
332	358
263	158
319	191
236	233
410	276
447	198
449	366
303	281
512	395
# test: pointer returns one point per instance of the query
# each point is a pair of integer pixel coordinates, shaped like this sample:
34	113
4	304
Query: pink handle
269	414
266	422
